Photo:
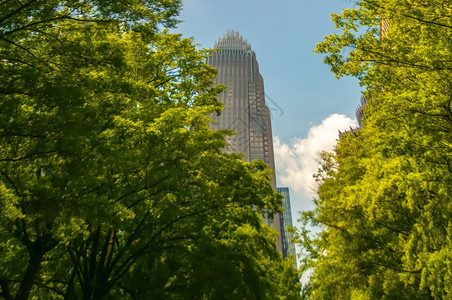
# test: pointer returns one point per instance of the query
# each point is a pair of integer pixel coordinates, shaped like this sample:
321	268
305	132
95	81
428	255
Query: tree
384	203
112	183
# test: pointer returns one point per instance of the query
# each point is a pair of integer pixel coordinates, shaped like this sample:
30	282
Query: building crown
232	40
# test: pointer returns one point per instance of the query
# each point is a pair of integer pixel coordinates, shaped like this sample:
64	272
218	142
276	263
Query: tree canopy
112	184
384	202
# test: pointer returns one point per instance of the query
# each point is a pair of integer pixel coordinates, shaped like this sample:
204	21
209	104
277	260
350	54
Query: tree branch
28	156
17	10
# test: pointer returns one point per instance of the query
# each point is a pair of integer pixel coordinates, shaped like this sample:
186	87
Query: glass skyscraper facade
288	248
244	110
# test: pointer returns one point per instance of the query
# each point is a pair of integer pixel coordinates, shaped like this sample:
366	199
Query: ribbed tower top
232	40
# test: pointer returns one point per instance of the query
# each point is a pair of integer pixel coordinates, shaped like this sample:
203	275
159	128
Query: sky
308	105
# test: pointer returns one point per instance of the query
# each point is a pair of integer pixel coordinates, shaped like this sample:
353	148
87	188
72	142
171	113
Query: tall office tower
244	110
286	220
384	27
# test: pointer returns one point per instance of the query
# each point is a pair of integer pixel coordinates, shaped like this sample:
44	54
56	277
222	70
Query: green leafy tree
112	184
384	199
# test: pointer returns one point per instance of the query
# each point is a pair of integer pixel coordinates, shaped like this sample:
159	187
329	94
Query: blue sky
308	104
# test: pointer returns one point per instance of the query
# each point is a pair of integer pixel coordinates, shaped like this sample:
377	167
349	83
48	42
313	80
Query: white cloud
296	162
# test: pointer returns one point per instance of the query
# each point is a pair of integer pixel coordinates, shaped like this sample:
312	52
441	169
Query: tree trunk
37	250
6	294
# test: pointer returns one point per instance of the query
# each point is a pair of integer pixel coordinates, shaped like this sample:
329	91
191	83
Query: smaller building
288	248
359	117
360	111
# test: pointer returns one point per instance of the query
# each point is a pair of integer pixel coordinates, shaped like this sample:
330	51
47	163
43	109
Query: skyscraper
288	248
244	110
